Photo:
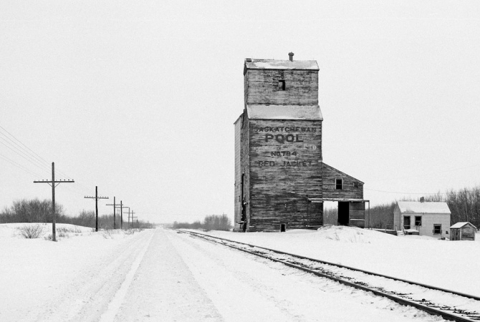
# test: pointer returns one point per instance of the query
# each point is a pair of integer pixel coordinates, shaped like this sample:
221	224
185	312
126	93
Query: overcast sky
139	97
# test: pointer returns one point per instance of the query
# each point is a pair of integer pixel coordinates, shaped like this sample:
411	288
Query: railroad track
448	304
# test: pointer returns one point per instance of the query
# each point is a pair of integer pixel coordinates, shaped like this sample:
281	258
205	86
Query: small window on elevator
281	85
338	184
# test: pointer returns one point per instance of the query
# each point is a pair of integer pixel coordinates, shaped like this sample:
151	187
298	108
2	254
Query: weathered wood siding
357	214
245	166
281	151
262	87
285	168
467	233
238	173
351	187
464	233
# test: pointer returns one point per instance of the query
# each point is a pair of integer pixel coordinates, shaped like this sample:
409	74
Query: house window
406	222
418	220
437	229
338	184
281	85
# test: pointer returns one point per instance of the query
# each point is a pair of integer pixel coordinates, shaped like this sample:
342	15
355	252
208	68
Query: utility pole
96	206
53	184
114	209
121	214
115	205
133	218
128	216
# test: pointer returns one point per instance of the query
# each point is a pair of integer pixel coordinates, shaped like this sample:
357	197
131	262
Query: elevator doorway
343	213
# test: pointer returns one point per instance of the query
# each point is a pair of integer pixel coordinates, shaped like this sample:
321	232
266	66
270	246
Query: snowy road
160	275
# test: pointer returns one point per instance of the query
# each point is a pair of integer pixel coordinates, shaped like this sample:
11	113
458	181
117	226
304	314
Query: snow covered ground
159	275
449	264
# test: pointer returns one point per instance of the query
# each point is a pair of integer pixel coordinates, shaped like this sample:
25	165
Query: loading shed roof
284	112
326	167
414	207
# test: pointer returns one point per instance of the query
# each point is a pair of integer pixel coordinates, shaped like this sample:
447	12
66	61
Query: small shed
463	231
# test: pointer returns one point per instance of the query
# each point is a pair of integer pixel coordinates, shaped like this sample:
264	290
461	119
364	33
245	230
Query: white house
428	218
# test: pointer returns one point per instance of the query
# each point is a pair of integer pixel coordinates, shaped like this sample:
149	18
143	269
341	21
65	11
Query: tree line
464	205
212	222
40	211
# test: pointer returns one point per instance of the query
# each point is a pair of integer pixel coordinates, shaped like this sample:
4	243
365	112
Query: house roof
284	112
252	63
462	224
414	207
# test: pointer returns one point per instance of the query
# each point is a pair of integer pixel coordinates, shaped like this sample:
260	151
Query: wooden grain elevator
281	181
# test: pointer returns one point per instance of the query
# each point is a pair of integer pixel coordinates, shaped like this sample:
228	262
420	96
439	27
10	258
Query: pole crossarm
54	183
50	181
115	204
96	205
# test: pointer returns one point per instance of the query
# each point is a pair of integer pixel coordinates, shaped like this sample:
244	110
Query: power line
22	154
18	165
33	152
411	193
15	145
8	140
21	149
431	173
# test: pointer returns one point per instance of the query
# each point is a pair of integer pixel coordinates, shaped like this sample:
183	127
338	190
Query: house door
406	222
343	213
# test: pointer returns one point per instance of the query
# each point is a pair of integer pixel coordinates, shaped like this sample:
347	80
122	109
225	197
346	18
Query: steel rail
358	285
474	297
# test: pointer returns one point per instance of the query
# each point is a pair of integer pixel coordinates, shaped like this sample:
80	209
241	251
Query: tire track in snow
89	289
117	300
164	288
